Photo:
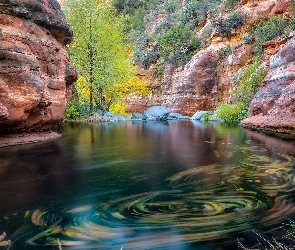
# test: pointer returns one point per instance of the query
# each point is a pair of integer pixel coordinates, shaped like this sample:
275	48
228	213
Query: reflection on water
146	185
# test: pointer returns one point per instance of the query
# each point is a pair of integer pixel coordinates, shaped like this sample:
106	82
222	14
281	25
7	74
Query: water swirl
200	204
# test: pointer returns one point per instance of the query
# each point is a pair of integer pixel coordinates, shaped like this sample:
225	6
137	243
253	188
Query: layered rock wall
273	107
207	81
35	72
194	88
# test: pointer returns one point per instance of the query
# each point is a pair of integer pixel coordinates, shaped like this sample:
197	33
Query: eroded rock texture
187	90
273	107
194	88
35	72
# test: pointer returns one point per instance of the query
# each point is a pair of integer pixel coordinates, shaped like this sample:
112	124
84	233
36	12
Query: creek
148	185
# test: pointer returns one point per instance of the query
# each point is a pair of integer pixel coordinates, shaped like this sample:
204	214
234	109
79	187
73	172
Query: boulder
177	116
137	116
198	115
156	113
112	117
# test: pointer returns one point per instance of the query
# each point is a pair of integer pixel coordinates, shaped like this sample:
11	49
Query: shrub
170	5
174	45
76	110
249	83
235	20
118	108
224	52
195	44
231	3
232	113
268	30
168	24
225	26
248	39
206	117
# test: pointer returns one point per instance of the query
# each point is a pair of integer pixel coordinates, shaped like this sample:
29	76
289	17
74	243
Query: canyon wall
273	107
36	75
207	79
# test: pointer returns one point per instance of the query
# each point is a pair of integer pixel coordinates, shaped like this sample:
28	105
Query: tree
100	53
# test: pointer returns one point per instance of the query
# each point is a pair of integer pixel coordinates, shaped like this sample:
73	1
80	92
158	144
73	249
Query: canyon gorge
207	80
36	75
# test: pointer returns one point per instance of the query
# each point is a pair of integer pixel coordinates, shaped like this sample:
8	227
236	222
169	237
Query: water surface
147	185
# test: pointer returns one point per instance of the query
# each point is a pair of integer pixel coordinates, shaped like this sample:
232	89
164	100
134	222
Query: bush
76	110
231	4
225	26
268	30
232	114
249	83
224	52
195	44
163	31
118	108
246	87
206	117
170	5
175	45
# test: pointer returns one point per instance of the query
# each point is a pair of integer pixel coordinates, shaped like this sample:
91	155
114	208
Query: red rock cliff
35	72
273	106
206	81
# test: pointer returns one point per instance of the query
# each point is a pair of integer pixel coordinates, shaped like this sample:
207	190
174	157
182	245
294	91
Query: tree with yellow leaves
101	54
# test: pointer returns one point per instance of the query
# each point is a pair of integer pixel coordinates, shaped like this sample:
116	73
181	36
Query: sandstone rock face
35	72
185	91
207	80
273	107
255	10
194	88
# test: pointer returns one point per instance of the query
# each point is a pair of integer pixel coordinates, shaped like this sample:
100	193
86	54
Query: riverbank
26	138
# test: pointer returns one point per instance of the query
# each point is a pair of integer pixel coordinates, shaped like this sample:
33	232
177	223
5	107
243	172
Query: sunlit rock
36	75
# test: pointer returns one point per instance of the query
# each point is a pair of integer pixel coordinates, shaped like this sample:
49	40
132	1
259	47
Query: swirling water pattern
201	206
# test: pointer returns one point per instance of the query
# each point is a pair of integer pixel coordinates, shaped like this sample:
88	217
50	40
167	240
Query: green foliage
206	117
100	53
248	39
270	29
232	113
247	86
224	52
172	41
159	71
195	44
226	26
170	5
163	31
76	110
231	4
127	7
190	15
249	83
